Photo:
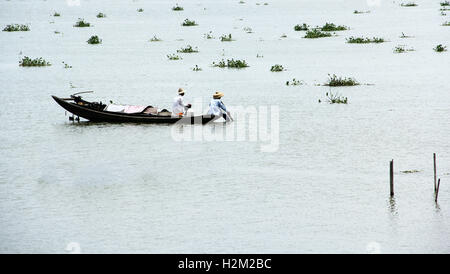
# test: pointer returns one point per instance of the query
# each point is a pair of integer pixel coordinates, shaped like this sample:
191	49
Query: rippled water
133	188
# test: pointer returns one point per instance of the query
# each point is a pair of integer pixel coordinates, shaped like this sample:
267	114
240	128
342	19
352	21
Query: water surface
133	188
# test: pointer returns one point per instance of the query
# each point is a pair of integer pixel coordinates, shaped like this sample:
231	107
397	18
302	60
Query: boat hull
112	117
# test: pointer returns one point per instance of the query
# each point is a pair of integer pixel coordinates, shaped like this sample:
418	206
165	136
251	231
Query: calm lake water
134	188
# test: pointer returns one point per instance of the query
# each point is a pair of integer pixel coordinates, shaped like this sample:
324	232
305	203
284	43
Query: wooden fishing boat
97	112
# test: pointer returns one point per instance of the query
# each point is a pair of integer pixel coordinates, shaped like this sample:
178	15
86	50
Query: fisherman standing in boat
217	107
179	109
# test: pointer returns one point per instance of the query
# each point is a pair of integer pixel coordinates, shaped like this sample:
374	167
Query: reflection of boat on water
99	112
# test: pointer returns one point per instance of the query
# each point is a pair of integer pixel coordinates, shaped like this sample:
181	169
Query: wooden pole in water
434	160
437	190
391	173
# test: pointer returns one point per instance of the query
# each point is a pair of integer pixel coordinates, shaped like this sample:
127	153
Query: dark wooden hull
114	117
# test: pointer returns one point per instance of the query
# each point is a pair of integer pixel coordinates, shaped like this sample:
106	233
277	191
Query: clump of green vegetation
231	64
409	4
177	8
294	82
315	33
81	23
405	36
189	23
446	24
101	15
38	62
259	55
335	98
155	39
334	81
94	40
440	48
410	171
399	49
56	14
140	10
174	57
196	68
66	66
360	12
402	49
226	38
361	40
445	4
16	27
208	35
283	35
303	27
332	27
276	68
241	2
188	49
248	30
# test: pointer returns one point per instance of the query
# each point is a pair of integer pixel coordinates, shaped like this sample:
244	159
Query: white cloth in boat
125	108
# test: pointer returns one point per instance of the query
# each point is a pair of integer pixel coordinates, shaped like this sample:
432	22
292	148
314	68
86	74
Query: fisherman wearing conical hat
217	107
179	109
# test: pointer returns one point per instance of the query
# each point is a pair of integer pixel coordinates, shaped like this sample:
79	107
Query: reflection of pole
437	190
391	173
434	160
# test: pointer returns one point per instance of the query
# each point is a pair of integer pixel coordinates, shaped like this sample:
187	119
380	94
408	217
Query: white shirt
216	107
178	106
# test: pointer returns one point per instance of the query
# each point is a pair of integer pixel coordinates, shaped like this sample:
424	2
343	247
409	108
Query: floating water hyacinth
174	57
303	27
66	66
332	27
101	15
335	98
334	81
177	8
362	40
56	14
247	30
155	39
94	40
37	62
410	4
405	36
360	12
208	35
81	23
16	27
140	10
276	68
440	48
226	38
188	49
196	68
402	49
446	24
189	23
294	82
312	34
231	64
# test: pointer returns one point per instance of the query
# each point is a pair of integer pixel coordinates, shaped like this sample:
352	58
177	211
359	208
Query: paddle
229	115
